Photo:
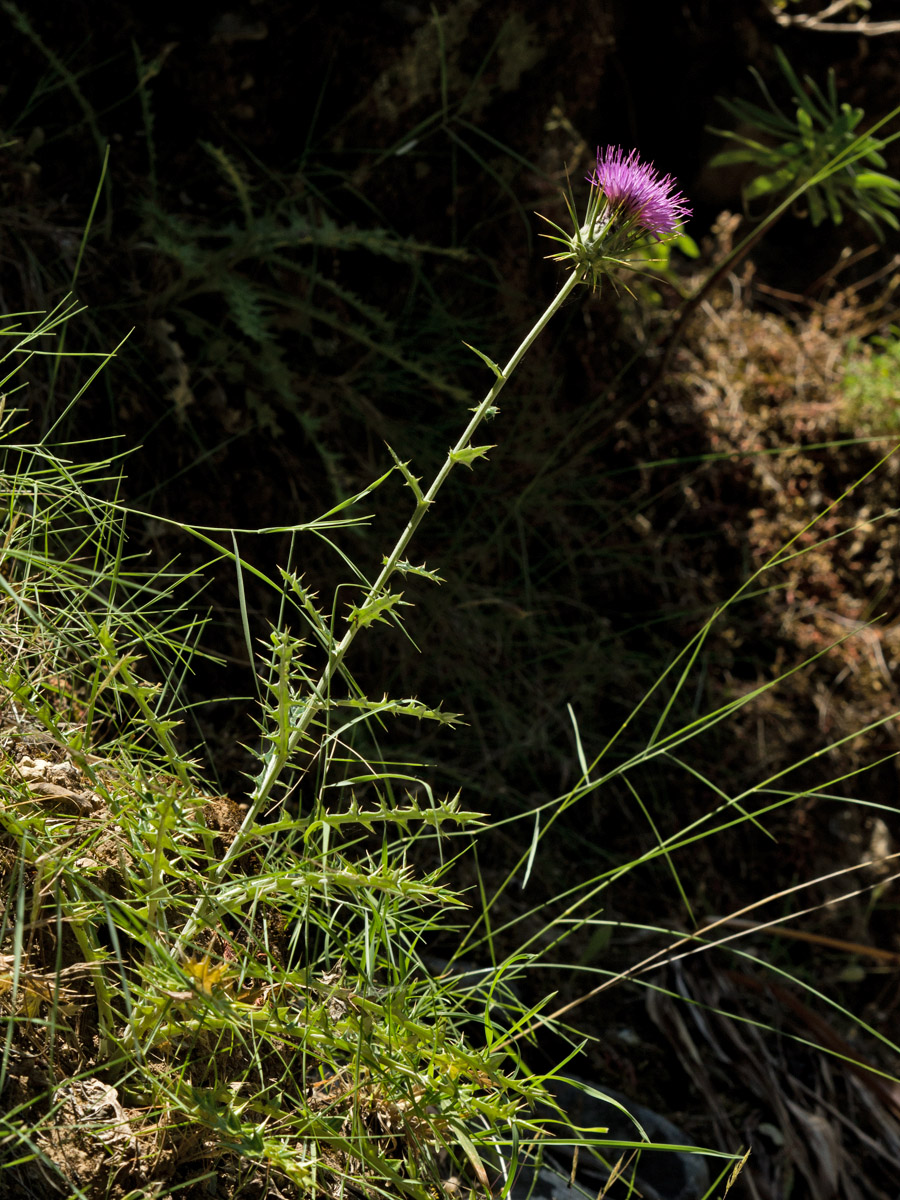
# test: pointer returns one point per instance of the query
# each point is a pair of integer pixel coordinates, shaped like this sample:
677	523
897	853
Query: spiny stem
281	753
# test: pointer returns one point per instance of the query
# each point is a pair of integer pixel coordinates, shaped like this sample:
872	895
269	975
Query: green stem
283	750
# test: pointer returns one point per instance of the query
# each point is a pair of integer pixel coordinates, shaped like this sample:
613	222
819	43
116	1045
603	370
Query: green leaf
805	123
834	208
763	185
412	481
471	1153
875	179
728	157
375	610
489	362
469	454
816	207
406	568
686	245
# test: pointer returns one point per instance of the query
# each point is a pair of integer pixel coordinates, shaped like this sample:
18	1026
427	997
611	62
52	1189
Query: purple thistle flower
635	191
630	201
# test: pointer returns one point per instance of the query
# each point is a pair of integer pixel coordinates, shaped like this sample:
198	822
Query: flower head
636	193
628	203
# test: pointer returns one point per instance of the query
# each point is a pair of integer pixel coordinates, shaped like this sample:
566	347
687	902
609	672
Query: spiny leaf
412	481
246	308
406	568
375	610
404	708
203	975
469	454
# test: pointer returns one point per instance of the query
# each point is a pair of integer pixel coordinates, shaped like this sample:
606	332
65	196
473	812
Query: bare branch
821	21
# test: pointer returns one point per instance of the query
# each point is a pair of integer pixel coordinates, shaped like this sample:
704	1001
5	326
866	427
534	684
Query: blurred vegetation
791	154
871	384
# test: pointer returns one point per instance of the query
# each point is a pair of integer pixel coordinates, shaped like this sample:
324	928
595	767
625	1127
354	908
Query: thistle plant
629	201
325	1054
256	995
265	983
